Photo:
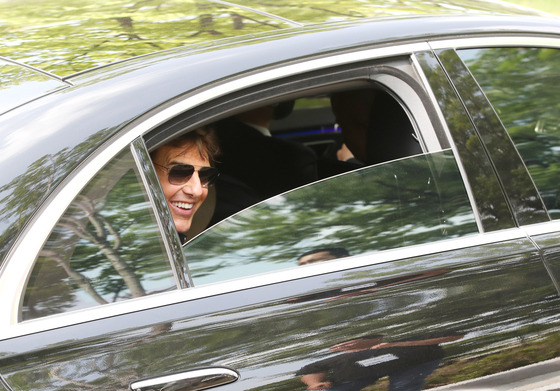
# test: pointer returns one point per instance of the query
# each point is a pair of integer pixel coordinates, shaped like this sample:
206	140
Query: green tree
70	36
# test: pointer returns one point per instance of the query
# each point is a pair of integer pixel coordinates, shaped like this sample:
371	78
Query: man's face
185	199
315	257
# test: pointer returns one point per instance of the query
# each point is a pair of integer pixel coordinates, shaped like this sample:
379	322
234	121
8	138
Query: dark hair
338	252
203	138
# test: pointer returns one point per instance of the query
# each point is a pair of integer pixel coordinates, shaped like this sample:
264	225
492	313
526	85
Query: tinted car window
522	84
105	248
409	201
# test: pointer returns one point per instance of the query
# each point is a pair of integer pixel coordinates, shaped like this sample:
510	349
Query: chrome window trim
254	281
542	228
162	214
20	261
4	384
425	83
415	107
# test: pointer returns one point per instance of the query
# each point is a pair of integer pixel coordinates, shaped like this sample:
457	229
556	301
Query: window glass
414	200
523	84
106	247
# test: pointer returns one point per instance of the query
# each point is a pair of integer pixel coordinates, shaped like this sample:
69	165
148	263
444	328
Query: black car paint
267	334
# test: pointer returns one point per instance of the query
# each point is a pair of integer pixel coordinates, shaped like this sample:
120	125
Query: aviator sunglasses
180	174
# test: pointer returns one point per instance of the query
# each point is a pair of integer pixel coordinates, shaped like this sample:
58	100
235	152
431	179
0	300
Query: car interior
304	125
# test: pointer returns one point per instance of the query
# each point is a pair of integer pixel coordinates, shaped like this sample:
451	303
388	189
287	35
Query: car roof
47	138
22	83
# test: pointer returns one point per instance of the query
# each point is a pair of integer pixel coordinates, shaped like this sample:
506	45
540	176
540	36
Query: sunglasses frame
211	179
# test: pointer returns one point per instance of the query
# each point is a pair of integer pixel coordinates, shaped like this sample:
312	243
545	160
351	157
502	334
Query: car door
438	285
412	313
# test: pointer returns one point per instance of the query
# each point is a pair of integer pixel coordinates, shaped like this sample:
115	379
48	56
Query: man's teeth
183	205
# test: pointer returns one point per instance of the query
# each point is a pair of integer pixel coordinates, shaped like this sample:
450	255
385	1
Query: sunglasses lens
208	176
180	174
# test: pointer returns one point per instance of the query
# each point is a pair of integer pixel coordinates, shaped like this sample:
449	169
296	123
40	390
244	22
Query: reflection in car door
416	316
456	313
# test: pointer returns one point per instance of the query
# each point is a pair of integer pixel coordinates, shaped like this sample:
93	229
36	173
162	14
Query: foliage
522	85
106	247
409	201
70	36
528	352
20	197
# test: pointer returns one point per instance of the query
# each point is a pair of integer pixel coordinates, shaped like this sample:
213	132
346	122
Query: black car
428	259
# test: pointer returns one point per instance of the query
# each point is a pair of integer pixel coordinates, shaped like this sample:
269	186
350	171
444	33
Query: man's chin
183	227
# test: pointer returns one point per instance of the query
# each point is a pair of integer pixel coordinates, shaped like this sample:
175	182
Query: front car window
107	247
522	85
414	200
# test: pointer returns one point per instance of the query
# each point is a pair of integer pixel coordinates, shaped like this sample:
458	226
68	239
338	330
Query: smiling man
184	168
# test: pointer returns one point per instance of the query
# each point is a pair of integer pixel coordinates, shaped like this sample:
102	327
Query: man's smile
183	205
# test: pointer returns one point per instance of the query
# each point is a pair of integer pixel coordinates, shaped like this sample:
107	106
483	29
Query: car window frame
170	237
399	75
112	238
538	197
410	91
473	160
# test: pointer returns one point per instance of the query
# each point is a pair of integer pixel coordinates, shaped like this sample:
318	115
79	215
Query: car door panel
486	303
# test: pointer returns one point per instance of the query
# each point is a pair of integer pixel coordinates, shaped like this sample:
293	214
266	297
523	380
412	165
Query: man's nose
193	185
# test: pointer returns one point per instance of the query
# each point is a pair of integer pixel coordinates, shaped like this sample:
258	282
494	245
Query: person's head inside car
321	255
184	168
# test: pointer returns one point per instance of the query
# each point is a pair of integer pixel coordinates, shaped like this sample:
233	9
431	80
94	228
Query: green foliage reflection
400	203
105	248
523	85
68	36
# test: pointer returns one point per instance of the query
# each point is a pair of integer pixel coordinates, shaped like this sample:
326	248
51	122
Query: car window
522	85
106	247
275	148
408	201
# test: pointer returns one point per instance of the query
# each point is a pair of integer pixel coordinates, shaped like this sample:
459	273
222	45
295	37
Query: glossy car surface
445	273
